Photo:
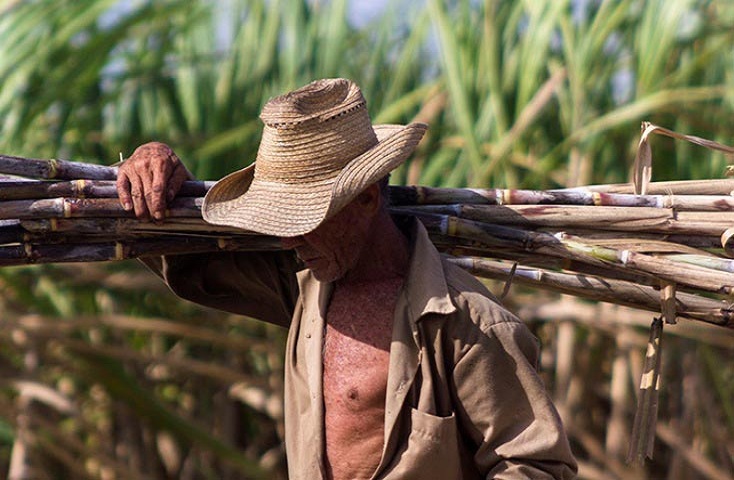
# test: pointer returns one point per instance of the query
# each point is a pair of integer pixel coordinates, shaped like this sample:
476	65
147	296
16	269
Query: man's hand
150	179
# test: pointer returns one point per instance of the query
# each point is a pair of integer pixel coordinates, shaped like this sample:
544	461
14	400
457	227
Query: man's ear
370	199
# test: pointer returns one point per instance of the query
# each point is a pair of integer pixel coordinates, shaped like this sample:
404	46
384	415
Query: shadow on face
335	247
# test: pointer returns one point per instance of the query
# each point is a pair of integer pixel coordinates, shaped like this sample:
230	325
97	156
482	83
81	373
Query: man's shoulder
473	300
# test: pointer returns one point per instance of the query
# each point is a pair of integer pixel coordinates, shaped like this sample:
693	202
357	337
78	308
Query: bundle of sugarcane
663	251
661	247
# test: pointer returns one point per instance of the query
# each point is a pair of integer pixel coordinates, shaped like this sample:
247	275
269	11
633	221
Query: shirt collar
425	285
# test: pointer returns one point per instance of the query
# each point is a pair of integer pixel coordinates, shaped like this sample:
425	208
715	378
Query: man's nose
290	243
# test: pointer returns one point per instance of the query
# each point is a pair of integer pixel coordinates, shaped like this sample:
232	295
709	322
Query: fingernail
127	206
171	195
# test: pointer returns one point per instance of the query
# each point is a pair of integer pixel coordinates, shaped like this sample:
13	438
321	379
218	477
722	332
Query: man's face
335	246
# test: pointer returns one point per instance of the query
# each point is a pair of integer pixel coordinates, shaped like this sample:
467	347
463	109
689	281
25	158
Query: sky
362	11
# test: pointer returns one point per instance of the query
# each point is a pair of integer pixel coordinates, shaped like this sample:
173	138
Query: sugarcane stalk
641	219
643	241
557	216
693	276
705	261
95	225
489	236
68	207
718	186
36	189
650	243
122	250
558	263
54	169
417	195
690	306
78	239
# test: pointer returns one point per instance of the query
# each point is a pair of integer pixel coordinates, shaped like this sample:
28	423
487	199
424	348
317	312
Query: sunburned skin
356	356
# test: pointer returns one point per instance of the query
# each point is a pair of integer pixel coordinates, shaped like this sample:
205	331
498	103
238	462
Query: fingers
155	194
179	175
150	179
123	191
136	192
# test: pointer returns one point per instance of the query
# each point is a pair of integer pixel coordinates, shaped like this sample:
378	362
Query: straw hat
318	151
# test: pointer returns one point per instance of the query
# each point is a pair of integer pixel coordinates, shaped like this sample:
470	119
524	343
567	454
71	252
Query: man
399	365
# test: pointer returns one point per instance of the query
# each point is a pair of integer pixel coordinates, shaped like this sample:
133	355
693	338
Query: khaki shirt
463	397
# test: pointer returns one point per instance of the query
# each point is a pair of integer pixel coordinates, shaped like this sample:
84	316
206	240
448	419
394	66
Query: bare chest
357	340
355	360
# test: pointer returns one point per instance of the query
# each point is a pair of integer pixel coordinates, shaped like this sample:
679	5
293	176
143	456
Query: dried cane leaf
703	142
642	169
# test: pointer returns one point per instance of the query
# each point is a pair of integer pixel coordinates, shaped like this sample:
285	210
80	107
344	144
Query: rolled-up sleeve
261	285
504	408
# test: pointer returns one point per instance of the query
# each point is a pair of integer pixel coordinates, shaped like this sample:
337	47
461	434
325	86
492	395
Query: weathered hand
150	179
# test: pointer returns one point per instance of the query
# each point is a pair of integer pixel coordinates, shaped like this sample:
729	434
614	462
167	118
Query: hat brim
289	209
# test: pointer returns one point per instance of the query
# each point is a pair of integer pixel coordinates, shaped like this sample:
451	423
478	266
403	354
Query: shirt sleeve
504	408
261	285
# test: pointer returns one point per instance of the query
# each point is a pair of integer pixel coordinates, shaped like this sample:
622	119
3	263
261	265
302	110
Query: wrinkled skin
341	247
150	179
334	247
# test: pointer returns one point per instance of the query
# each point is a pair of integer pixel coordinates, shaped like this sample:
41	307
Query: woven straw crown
318	150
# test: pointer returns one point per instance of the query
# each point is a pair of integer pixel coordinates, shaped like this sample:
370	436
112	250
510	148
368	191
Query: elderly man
399	365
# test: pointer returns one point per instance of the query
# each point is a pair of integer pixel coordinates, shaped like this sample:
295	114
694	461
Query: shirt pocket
432	449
